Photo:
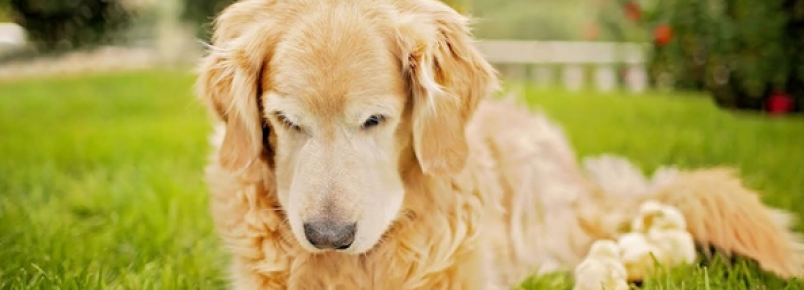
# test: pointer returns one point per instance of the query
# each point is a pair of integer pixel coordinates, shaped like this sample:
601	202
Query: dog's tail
721	212
724	214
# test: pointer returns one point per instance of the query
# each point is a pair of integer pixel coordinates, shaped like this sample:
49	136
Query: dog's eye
287	122
373	121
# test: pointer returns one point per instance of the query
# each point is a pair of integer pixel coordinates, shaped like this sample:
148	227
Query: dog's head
354	94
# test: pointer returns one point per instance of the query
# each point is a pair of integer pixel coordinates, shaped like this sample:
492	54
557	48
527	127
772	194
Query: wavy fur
492	191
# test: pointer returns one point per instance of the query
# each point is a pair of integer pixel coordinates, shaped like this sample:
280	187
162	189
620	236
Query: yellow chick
666	229
654	215
602	269
669	233
678	246
637	255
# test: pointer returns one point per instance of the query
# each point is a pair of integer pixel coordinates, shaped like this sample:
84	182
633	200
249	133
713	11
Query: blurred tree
200	13
4	13
746	53
531	19
54	25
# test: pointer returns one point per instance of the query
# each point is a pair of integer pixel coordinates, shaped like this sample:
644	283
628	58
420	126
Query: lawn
101	188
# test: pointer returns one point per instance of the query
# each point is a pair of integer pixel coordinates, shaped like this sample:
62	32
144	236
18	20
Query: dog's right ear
230	81
448	76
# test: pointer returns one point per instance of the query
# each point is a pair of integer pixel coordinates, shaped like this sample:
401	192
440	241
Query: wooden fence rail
609	64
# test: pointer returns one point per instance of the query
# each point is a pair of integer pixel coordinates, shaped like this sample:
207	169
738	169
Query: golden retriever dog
357	150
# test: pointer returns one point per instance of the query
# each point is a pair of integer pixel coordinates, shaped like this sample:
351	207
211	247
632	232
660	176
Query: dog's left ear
448	77
230	80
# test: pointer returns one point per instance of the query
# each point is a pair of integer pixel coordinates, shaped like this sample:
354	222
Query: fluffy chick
655	215
678	246
638	255
666	229
601	269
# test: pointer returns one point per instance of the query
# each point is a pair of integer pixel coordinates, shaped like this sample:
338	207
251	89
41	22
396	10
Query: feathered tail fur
721	212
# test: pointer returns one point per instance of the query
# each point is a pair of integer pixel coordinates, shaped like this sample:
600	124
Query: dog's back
480	211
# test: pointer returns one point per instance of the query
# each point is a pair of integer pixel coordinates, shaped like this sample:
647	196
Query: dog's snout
330	235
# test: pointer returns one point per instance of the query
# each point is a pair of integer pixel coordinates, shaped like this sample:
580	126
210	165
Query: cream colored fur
448	191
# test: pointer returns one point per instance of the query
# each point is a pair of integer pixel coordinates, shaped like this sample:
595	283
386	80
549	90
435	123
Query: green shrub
200	14
65	24
4	13
741	51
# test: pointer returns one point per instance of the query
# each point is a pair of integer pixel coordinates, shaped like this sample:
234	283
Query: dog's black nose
329	235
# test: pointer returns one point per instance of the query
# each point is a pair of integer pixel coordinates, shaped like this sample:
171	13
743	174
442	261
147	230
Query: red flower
632	11
662	34
779	103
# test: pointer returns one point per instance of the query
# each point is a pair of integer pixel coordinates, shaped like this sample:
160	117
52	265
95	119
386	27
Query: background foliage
64	24
741	51
201	12
4	12
517	19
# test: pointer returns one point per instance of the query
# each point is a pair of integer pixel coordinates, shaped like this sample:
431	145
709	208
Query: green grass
100	177
100	185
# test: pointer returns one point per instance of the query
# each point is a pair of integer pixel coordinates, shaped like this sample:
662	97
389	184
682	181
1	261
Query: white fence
540	62
605	66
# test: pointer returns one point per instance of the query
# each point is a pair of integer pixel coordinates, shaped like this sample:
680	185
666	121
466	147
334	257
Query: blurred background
103	143
746	53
